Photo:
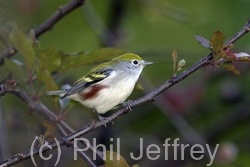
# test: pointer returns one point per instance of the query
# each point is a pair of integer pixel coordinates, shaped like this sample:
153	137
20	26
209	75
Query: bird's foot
127	105
103	120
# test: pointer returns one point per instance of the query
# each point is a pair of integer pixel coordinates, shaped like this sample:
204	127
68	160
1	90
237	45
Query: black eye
135	62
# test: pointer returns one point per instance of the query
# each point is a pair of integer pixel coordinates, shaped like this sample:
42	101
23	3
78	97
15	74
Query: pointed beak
146	63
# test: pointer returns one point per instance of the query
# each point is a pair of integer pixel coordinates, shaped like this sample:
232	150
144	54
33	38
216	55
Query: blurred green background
209	106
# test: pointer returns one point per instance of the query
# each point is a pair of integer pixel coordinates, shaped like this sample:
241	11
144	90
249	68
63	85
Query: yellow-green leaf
23	45
112	160
221	54
50	127
217	41
230	67
49	59
45	77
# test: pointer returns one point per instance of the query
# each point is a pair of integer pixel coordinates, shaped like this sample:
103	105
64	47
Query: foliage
223	57
48	64
178	67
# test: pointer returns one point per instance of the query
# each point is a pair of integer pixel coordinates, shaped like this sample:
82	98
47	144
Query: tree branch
48	115
80	153
176	118
149	97
63	11
43	110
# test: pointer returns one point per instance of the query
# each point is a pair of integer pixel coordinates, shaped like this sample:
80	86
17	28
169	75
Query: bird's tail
65	89
57	92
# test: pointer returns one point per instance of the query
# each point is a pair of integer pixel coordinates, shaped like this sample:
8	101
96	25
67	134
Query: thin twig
176	119
47	25
185	129
73	146
70	130
149	97
96	23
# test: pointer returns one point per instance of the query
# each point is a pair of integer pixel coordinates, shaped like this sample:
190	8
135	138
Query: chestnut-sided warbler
106	85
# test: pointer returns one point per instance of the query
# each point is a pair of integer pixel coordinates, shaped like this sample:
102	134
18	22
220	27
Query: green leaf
112	160
23	45
45	77
50	128
217	41
18	70
70	61
230	67
49	59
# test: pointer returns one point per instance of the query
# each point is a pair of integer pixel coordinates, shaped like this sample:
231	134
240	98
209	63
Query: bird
107	85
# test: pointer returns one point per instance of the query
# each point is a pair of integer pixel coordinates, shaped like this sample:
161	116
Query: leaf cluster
223	57
48	64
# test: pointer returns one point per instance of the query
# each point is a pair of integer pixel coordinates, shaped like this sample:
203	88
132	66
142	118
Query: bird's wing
88	80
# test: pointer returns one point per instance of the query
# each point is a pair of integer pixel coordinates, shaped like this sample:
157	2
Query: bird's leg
102	119
127	105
